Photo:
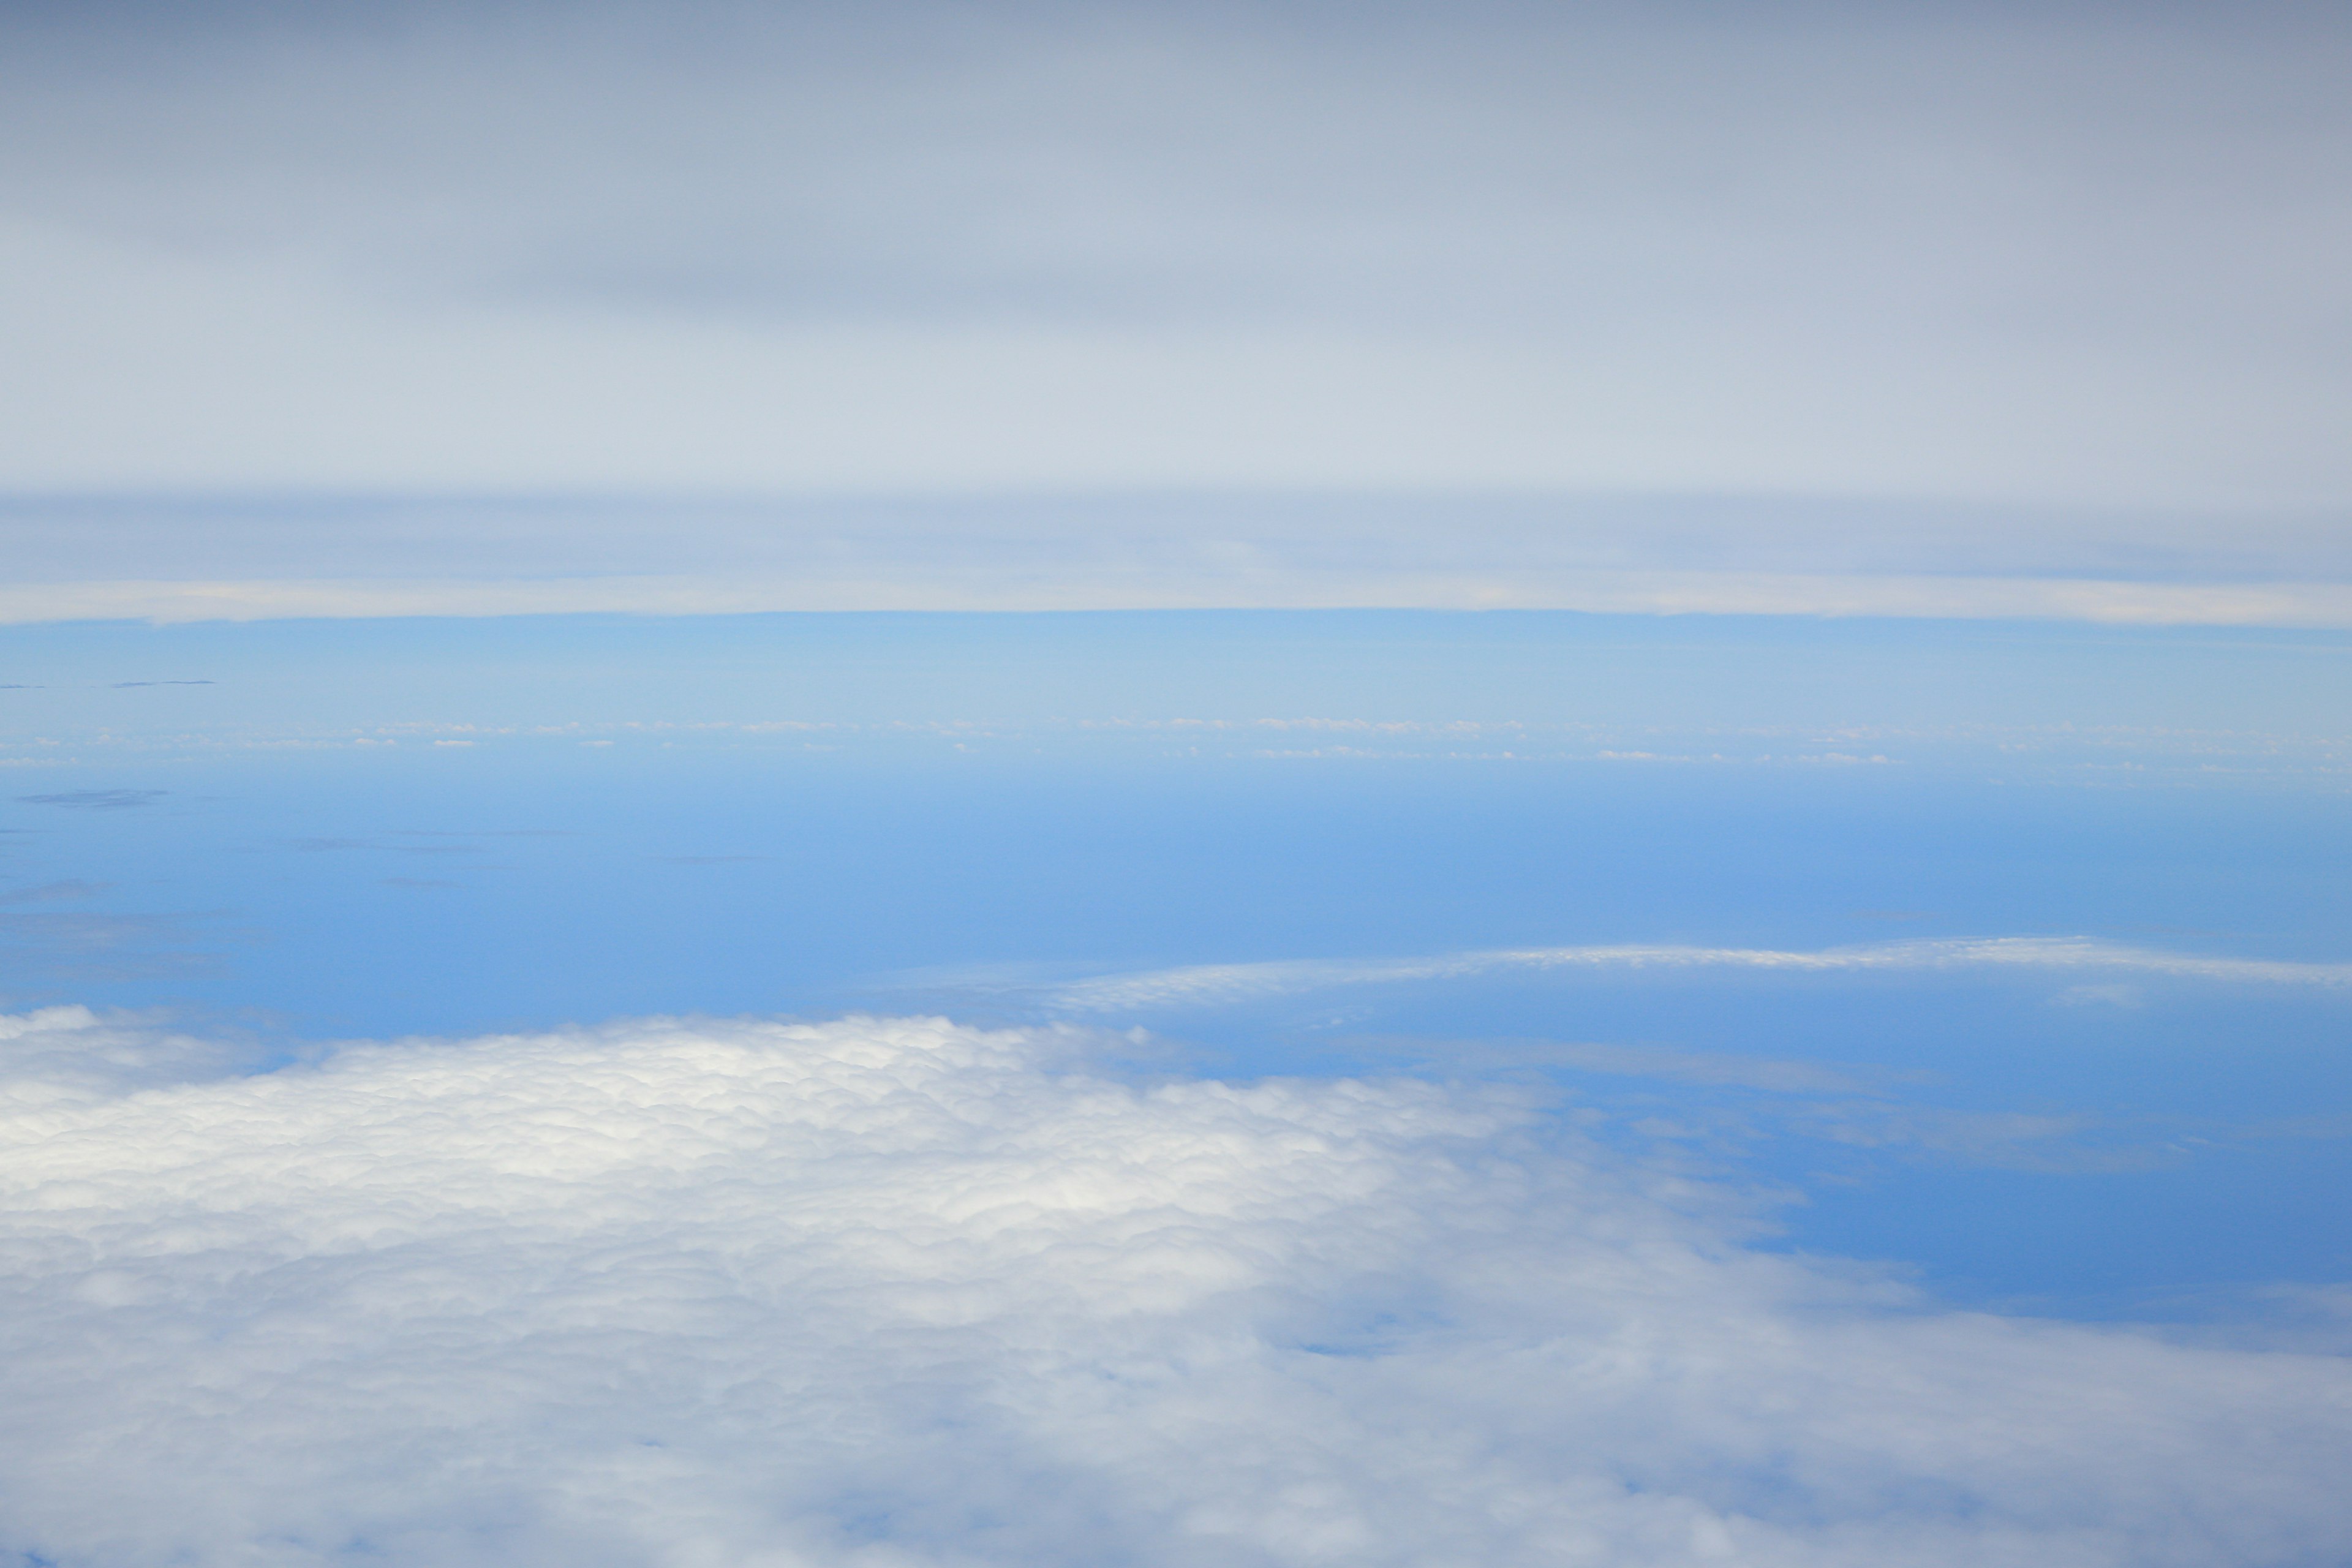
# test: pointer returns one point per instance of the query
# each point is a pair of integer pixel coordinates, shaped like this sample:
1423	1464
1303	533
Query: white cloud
1024	578
898	1292
1210	984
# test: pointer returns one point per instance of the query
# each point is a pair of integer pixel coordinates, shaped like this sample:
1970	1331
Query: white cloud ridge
899	1292
1207	985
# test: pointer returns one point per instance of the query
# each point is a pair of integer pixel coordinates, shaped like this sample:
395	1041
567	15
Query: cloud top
899	1292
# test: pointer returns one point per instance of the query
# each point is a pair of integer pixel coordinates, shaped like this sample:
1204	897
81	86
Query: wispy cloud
48	892
1212	983
89	947
96	799
1705	1069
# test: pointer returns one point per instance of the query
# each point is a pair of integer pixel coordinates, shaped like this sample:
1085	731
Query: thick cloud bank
898	1292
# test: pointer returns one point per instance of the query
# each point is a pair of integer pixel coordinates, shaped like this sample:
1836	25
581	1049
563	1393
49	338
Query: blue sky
1113	783
373	828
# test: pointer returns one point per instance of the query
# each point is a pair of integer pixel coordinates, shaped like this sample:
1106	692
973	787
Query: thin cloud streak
1212	984
1019	581
97	799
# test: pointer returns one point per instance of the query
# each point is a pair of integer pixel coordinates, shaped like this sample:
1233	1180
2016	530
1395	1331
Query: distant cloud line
1207	985
1021	585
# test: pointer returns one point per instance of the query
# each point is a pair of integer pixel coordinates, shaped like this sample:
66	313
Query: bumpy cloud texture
900	1293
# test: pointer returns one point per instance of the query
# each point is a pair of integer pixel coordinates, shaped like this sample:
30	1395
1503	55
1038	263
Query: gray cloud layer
2077	252
893	1292
247	558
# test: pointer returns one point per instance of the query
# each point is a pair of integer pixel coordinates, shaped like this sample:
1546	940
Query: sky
953	784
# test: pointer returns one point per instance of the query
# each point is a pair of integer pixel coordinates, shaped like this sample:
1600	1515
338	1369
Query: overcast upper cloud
896	1293
2070	255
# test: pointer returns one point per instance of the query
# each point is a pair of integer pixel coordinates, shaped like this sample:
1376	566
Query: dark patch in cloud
87	932
112	969
11	687
49	891
317	845
85	948
484	832
96	799
1705	1068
